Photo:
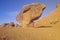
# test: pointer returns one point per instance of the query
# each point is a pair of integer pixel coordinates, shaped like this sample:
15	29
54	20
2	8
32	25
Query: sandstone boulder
49	29
30	13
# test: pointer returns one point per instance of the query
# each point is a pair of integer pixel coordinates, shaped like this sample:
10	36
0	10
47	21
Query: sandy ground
42	33
17	33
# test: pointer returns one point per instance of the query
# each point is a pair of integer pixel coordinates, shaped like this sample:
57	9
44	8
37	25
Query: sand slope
18	33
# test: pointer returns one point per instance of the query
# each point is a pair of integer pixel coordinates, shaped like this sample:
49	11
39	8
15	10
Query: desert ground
47	28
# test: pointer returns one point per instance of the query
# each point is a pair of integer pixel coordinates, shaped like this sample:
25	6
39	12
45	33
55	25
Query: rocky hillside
53	19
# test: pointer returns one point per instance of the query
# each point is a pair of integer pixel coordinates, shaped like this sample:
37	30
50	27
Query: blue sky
10	8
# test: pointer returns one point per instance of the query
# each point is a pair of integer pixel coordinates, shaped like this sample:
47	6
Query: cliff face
48	28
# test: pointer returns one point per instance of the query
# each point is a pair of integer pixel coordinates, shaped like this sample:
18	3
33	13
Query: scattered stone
4	25
12	24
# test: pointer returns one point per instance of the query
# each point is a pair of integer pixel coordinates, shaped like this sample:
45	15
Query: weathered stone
11	24
4	25
46	31
30	13
53	19
58	5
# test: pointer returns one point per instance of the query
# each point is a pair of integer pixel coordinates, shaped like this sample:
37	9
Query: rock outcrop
4	25
11	24
30	13
58	5
53	19
48	28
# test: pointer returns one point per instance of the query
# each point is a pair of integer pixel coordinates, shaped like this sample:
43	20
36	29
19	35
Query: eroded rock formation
11	24
52	19
48	28
4	25
30	13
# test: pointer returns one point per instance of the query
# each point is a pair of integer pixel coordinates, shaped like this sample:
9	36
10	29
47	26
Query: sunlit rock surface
48	28
53	19
29	13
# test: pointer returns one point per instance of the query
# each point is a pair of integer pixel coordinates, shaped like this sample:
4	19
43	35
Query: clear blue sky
10	8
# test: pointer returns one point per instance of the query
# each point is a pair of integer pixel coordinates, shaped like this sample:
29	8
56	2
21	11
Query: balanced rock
30	13
50	29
